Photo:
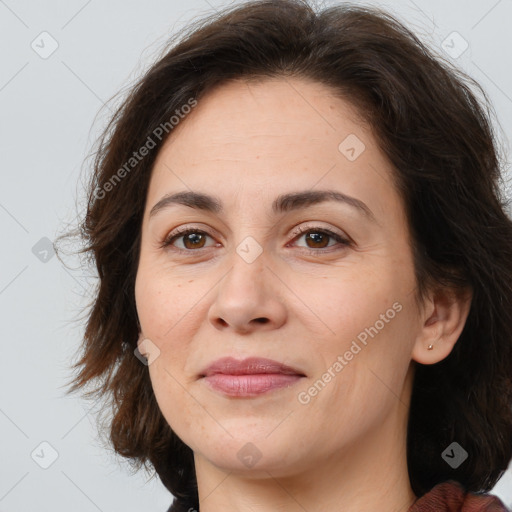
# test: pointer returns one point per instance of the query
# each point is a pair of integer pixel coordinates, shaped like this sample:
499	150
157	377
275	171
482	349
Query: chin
251	450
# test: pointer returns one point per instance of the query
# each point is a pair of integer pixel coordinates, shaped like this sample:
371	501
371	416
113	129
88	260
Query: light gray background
47	111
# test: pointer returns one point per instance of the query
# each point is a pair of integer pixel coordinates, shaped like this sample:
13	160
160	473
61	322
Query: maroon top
445	497
450	496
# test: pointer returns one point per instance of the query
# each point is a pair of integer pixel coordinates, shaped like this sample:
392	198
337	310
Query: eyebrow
283	203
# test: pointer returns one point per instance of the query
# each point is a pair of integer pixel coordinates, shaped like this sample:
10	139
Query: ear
443	318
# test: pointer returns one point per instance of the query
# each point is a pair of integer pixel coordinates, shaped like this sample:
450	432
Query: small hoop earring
430	347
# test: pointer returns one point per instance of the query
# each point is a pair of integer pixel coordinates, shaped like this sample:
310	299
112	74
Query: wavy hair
439	138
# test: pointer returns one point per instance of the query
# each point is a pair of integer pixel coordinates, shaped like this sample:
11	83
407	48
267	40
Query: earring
430	347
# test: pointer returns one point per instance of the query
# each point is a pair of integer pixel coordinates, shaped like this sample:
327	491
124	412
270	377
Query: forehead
273	115
258	140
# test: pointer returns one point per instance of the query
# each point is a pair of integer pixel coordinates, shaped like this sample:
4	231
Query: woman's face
298	254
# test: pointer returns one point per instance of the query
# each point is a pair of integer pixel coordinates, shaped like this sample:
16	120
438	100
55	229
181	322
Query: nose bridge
249	256
246	279
245	296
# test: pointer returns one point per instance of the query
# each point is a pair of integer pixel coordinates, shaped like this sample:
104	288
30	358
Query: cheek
357	302
162	303
173	402
169	309
372	322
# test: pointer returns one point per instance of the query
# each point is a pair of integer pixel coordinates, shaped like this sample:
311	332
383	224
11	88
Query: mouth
249	377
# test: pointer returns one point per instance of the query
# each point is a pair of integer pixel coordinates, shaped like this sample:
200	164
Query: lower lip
250	385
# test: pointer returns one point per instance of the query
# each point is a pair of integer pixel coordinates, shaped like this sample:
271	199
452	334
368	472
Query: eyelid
341	237
301	229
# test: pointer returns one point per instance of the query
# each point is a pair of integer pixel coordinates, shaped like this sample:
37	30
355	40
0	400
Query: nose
248	298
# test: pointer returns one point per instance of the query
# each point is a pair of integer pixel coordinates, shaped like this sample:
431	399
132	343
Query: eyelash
181	232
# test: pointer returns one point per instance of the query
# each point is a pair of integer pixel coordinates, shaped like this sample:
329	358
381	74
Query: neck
370	475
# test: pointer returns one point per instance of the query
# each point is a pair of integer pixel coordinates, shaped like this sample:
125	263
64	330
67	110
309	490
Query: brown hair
438	137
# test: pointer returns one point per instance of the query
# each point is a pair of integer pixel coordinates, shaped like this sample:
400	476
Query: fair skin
302	301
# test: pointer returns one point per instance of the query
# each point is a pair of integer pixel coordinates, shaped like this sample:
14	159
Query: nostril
261	320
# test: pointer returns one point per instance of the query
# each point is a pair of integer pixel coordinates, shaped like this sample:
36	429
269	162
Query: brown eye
191	239
194	239
318	239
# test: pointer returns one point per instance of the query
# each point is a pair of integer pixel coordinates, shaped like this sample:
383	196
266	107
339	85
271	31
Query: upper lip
249	366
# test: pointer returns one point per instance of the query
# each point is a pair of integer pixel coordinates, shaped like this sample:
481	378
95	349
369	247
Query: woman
305	270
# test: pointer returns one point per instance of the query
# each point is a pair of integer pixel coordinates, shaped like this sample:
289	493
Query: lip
249	377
